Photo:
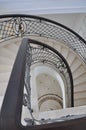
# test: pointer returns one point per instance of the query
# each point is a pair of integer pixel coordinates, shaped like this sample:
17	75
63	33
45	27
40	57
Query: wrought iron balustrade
40	53
10	115
13	26
33	52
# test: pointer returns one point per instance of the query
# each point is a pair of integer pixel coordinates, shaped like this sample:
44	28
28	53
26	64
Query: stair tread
80	95
3	86
80	87
6	60
13	47
64	52
70	58
57	47
1	100
80	102
76	64
79	80
79	71
78	76
6	53
4	76
5	68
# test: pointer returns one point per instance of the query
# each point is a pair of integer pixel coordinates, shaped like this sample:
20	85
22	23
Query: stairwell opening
49	93
50	88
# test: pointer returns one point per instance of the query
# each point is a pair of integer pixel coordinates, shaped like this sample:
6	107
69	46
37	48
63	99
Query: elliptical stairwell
44	39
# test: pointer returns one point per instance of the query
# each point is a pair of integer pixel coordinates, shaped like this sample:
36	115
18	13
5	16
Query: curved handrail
39	54
12	106
10	113
15	25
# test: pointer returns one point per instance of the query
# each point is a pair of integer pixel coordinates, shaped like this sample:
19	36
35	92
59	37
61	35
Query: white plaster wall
67	12
80	25
76	21
68	20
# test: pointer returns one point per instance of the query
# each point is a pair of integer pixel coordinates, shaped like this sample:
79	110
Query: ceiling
37	7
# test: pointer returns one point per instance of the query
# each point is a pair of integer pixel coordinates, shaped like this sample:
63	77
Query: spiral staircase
8	54
76	58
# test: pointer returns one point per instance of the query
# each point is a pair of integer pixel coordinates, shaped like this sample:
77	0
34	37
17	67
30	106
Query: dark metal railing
28	54
13	26
45	54
10	115
38	52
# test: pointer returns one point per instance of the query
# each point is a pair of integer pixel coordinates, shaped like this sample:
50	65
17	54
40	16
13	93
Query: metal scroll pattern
23	26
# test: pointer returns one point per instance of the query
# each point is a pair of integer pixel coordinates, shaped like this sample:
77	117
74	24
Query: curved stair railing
28	55
45	54
41	53
13	26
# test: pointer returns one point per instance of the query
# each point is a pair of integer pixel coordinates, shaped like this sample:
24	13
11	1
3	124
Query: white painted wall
75	21
80	25
67	12
68	20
